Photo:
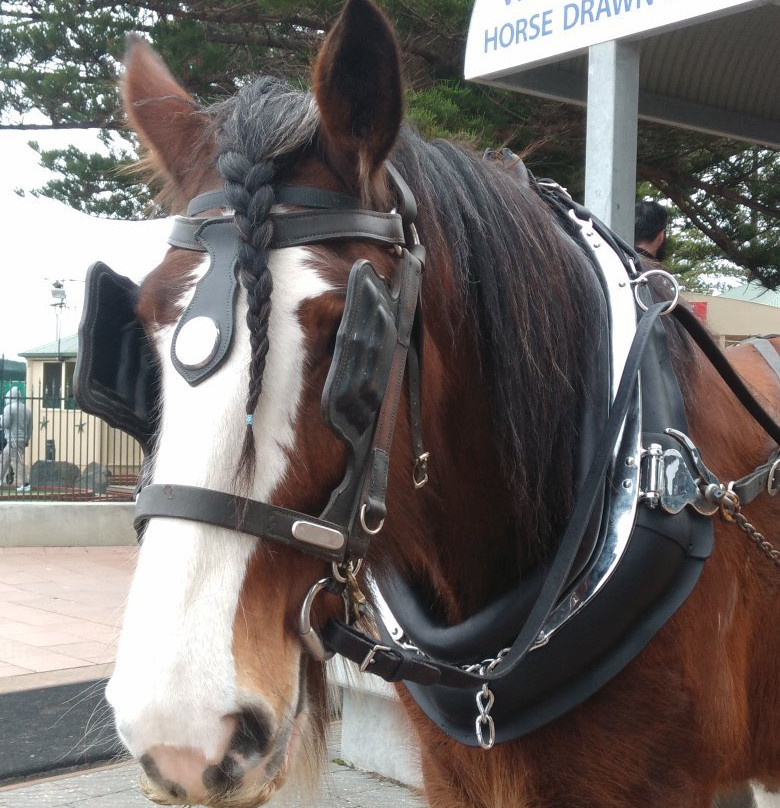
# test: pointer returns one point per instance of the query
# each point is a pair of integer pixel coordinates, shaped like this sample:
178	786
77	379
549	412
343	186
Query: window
52	384
58	385
70	401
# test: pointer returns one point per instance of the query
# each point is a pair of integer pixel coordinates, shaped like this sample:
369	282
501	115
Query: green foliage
59	58
95	183
727	197
60	61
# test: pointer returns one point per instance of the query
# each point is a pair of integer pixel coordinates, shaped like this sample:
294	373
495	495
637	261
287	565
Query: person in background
650	230
17	428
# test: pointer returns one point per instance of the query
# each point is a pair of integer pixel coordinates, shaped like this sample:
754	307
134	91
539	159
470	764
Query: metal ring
349	567
369	530
643	279
310	640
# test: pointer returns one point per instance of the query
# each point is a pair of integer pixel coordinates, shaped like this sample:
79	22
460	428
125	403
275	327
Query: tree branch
33	127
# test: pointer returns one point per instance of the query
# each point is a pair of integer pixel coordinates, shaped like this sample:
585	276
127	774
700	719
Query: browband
204	332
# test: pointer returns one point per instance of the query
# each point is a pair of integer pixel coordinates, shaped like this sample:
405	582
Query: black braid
250	194
252	201
258	130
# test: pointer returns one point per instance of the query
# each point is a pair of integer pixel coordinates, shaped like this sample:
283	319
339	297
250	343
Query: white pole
611	141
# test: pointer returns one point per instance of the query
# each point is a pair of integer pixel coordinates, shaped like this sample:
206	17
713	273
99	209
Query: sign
507	35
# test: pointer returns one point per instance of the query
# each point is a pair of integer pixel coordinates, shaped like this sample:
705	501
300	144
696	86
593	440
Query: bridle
377	344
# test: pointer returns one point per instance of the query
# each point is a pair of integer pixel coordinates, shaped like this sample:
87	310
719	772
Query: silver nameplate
318	535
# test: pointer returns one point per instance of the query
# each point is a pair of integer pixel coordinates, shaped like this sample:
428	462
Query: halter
563	635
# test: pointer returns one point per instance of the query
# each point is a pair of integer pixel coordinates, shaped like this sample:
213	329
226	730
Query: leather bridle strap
316	226
302	228
375	481
701	337
312	535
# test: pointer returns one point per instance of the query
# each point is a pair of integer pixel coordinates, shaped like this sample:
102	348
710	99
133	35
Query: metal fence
71	456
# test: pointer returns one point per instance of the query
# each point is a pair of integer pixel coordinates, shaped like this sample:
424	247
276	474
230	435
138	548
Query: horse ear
357	83
166	118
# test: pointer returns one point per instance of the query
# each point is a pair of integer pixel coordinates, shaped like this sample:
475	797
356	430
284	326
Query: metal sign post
612	124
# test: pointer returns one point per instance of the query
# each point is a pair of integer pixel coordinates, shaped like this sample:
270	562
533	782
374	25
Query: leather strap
207	201
381	660
375	482
305	197
214	298
764	479
292	229
315	226
237	513
560	566
701	337
414	370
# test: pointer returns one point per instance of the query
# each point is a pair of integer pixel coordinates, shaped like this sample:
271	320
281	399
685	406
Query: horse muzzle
251	768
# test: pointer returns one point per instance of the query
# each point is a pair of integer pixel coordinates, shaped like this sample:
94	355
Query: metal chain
487	665
731	511
485	700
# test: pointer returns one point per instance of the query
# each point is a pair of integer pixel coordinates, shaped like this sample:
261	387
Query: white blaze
175	677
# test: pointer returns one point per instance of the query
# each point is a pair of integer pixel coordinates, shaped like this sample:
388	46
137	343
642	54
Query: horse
364	346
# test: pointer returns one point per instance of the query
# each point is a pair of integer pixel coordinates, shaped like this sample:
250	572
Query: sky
42	241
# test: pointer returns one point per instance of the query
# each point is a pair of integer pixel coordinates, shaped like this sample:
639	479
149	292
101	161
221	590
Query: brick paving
117	787
60	610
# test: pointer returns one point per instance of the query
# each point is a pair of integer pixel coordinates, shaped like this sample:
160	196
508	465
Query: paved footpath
117	787
60	615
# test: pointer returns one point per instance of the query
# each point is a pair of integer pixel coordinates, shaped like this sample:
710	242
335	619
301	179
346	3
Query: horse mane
528	292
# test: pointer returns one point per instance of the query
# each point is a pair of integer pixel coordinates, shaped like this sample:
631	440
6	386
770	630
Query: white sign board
506	35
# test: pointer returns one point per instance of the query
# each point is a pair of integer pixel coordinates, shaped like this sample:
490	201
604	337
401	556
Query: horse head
214	690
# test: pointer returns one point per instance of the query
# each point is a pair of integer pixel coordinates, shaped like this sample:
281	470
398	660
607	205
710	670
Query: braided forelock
264	123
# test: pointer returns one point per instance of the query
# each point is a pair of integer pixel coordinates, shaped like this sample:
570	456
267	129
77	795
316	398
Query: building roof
754	292
719	75
65	347
10	369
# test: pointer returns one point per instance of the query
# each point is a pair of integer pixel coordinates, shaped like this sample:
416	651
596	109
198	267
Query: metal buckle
772	484
420	471
369	658
668	482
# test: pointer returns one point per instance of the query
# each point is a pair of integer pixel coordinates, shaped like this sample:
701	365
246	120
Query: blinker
116	376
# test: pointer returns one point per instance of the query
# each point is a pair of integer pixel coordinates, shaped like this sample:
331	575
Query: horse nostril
152	771
253	735
223	776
